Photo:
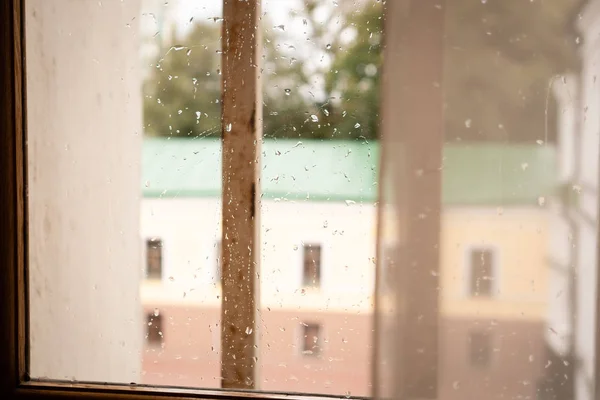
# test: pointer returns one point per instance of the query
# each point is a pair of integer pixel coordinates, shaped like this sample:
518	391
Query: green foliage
186	82
182	95
501	57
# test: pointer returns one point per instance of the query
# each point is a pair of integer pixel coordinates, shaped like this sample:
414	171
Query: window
218	262
154	258
154	328
482	271
480	349
472	107
311	276
311	339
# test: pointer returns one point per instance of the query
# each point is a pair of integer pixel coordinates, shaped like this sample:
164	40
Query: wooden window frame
14	332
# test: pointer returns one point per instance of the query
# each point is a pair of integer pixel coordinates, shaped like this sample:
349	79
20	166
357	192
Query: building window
480	349
218	262
311	276
154	331
482	272
154	258
311	339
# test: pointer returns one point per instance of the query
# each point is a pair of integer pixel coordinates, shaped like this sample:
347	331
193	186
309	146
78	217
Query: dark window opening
154	330
311	339
480	349
311	276
482	270
154	259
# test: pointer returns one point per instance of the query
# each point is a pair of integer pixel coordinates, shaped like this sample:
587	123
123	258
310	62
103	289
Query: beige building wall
518	238
188	299
84	149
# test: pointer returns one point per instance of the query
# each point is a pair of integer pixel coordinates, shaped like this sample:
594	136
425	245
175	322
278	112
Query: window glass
408	216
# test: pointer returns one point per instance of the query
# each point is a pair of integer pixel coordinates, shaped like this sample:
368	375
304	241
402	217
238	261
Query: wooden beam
241	137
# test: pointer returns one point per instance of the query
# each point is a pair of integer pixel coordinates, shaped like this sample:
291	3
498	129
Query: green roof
337	170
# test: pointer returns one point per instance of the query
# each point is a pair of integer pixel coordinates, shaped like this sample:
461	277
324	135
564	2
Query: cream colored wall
520	239
84	149
190	228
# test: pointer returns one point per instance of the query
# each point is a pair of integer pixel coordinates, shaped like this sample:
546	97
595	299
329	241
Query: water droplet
179	112
188	52
228	127
350	202
326	113
248	330
524	166
198	114
328	46
357	125
295	247
280	27
288	91
577	189
325	224
468	123
178	47
314	118
540	142
156	312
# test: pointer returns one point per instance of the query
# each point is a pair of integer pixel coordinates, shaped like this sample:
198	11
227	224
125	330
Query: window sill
35	389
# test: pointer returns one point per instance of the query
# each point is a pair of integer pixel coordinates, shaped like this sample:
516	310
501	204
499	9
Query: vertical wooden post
241	136
412	134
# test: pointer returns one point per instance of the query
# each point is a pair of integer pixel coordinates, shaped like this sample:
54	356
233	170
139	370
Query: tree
182	95
323	80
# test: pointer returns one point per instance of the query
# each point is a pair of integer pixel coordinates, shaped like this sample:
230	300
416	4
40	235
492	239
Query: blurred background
124	124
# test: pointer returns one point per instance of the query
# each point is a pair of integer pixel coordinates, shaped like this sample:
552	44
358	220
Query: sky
186	9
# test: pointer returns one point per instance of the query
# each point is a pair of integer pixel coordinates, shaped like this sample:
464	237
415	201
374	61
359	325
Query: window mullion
241	137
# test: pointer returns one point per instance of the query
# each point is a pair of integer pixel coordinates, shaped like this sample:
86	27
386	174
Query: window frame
14	331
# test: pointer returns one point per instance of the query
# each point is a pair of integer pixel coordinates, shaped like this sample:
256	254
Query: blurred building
317	272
